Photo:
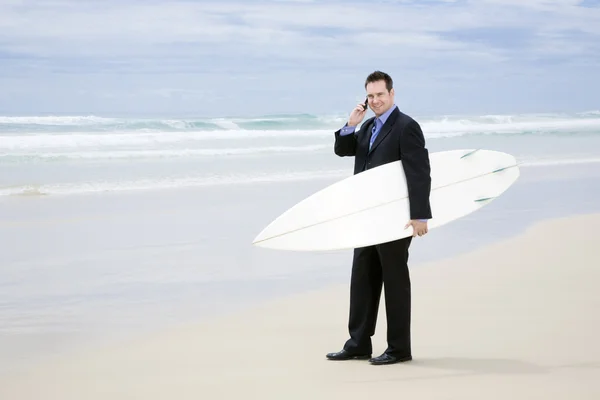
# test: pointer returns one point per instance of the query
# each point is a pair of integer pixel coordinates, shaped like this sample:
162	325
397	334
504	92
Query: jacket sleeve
415	161
345	144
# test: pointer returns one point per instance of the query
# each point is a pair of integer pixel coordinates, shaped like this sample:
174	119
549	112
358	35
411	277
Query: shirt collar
386	115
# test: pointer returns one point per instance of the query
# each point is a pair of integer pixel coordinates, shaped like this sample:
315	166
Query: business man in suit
388	136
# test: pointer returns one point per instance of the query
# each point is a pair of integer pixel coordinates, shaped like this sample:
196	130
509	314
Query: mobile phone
366	103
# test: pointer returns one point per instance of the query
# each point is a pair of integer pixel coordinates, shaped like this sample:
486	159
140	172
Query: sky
244	58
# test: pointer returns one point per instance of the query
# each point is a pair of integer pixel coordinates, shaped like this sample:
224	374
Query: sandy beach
514	319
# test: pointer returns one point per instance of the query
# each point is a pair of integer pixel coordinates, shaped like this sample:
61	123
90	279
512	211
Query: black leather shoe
388	359
345	355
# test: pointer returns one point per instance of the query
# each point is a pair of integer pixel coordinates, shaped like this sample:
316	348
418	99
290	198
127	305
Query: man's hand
357	115
419	227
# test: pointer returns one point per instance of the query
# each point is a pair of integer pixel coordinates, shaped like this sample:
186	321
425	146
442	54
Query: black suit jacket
400	138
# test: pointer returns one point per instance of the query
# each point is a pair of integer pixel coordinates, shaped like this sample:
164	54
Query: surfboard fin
469	153
504	168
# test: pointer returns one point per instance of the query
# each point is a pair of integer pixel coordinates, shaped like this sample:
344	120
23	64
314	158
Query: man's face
380	100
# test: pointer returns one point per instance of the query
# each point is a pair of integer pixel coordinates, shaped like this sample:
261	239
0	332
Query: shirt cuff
347	130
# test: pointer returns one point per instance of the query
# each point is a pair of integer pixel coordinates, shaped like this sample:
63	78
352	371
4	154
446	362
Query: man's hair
380	76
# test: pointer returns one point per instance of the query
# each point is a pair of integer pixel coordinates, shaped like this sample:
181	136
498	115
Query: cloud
190	48
285	29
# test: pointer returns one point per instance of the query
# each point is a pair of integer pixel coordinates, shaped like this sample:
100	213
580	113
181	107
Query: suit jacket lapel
385	129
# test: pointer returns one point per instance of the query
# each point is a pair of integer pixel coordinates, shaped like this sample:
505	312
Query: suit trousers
375	266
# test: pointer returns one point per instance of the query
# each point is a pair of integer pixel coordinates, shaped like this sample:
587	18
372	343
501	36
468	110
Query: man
388	136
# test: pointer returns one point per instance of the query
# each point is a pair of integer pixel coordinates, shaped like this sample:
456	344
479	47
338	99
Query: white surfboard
372	207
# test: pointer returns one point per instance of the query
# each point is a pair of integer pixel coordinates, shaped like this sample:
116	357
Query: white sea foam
226	179
504	125
56	120
432	130
160	153
95	140
169	183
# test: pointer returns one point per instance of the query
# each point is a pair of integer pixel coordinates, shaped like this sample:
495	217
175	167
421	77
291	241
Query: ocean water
109	226
63	155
